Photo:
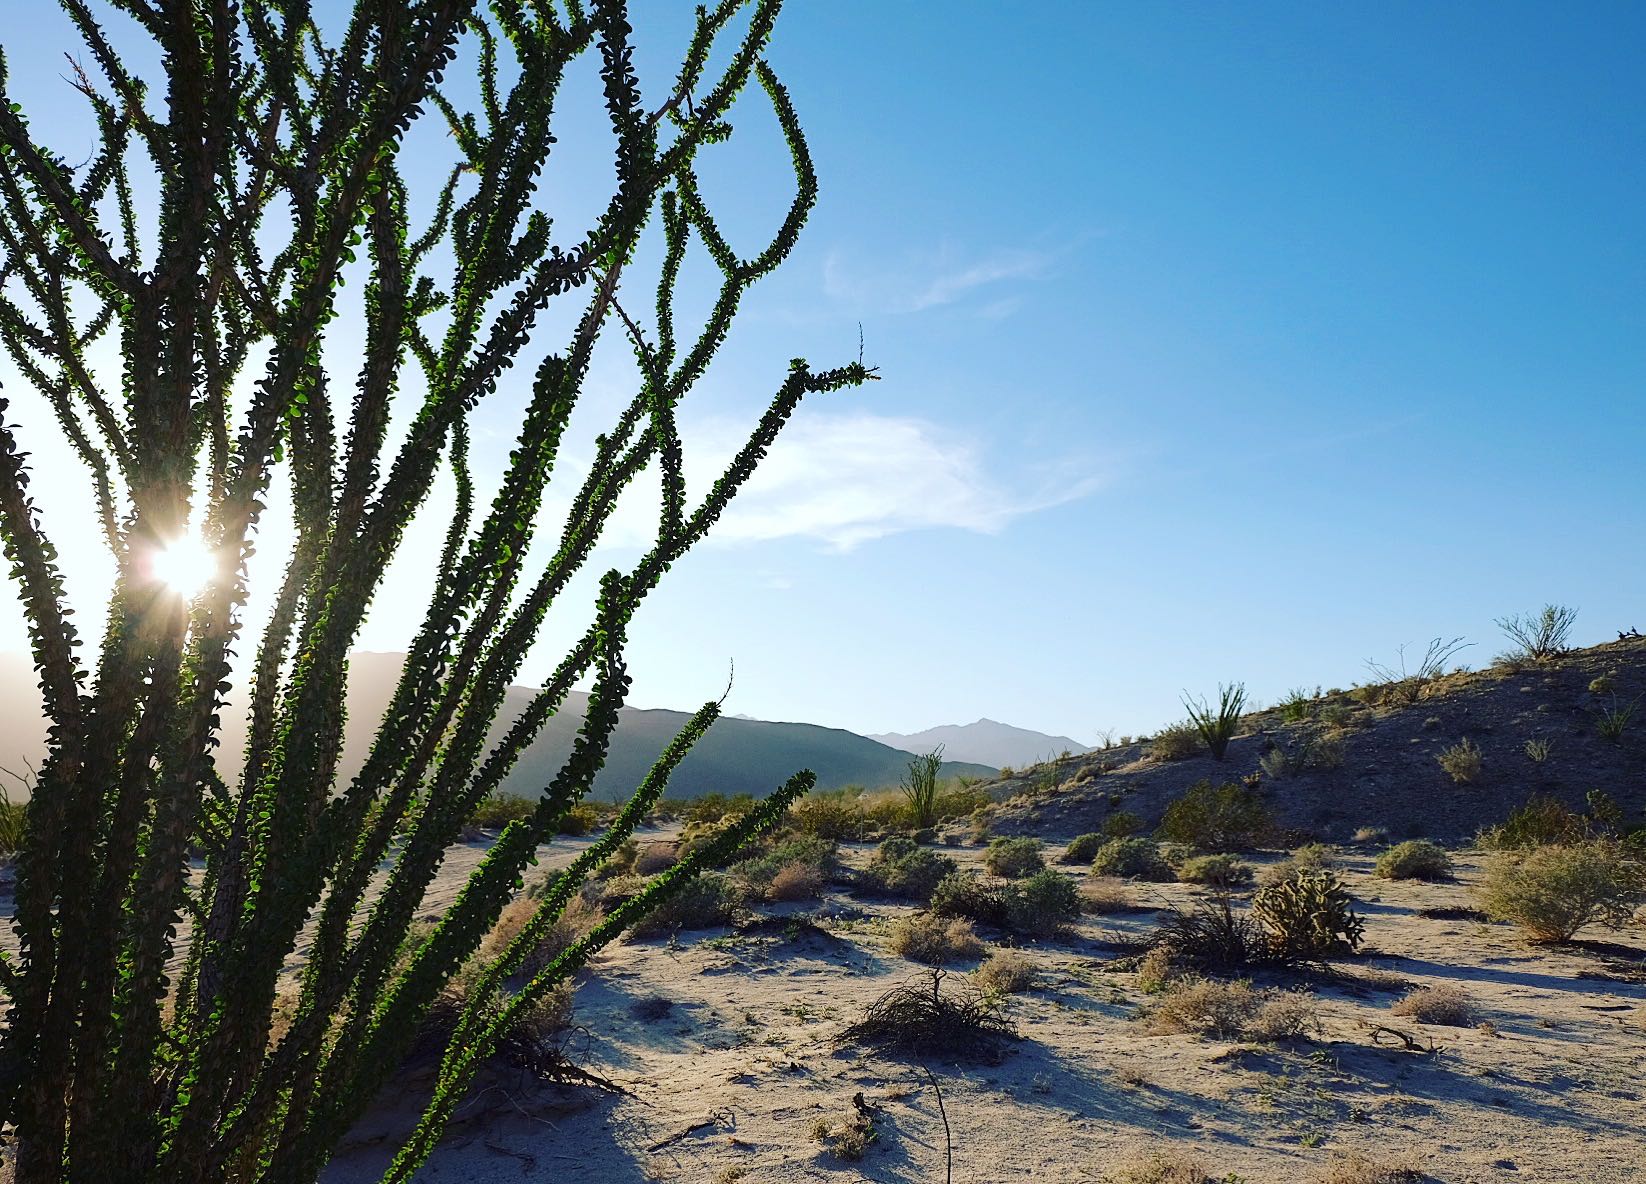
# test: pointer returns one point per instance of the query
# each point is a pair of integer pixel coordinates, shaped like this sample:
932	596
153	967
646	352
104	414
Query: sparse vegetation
1537	749
1158	1167
708	901
1446	1005
1415	859
926	1017
1216	818
901	867
1212	938
1103	895
1221	871
1013	858
1132	859
1359	1169
1462	761
1310	916
1175	742
1402	686
1006	972
1539	637
1216	726
847	1139
1296	705
1230	1010
1611	722
937	941
1552	892
1083	848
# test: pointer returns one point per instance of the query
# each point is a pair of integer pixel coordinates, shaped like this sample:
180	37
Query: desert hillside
1363	758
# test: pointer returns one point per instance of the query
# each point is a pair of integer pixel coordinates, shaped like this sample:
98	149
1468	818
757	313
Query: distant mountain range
738	755
987	742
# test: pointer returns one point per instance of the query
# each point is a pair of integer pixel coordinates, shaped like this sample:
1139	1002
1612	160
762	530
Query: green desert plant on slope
920	787
274	147
1216	725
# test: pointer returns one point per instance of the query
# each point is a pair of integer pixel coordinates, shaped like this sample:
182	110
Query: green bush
1462	761
756	873
707	902
1541	821
1131	859
499	809
1041	905
1175	742
827	815
1552	892
1295	707
1415	859
1013	858
1309	916
1082	848
1215	871
1216	818
1120	824
901	867
961	894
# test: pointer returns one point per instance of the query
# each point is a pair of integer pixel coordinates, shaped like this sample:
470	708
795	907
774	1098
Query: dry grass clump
1215	871
1102	895
924	1017
935	940
1437	1005
1005	973
1206	1007
1158	1167
1359	1169
796	880
1415	859
577	919
848	1140
1552	892
1462	761
654	857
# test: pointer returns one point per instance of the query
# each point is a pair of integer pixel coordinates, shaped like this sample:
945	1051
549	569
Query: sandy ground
727	1041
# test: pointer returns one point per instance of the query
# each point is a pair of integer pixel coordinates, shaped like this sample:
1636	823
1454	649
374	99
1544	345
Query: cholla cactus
273	150
1309	915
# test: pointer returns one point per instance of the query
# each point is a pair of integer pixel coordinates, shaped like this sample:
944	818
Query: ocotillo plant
920	787
204	244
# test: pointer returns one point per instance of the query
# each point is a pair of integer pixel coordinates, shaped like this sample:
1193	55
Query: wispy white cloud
846	479
937	279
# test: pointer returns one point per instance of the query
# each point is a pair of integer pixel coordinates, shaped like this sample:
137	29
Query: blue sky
1217	342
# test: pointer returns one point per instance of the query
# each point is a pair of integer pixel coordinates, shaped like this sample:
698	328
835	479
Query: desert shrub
1371	834
1216	818
901	867
1461	760
1158	967
960	894
926	1018
1611	722
655	856
1121	824
1337	715
1541	821
758	873
1311	857
1042	904
1355	1168
715	807
826	815
576	921
1212	938
1309	916
1415	859
1175	742
1539	637
1399	685
1552	892
1536	749
1106	894
1437	1005
1284	1015
934	940
579	820
1013	858
796	881
495	811
708	901
850	1138
1295	705
1135	859
1203	1007
1082	848
1216	725
1157	1167
1005	973
1215	871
